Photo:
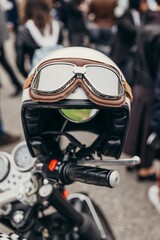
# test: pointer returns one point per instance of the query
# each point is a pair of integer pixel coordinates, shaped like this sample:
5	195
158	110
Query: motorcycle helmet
76	89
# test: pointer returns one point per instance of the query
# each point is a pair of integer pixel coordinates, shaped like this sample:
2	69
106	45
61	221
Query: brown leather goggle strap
63	95
28	81
128	90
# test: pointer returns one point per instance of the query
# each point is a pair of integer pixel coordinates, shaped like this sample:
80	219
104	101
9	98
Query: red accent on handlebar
65	193
52	164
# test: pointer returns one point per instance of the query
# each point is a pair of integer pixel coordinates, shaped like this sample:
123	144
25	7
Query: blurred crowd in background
128	31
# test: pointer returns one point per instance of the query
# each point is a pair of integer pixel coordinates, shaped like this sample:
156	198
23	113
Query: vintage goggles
57	77
55	81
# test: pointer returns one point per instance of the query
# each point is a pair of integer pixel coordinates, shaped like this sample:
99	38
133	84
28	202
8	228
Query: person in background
4	35
60	11
5	137
144	89
153	141
152	54
38	30
101	19
12	16
75	12
126	38
20	9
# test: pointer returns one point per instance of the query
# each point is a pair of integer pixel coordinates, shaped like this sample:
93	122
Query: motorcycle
34	203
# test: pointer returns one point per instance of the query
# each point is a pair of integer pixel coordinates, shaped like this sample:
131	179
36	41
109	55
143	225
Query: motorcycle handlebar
91	175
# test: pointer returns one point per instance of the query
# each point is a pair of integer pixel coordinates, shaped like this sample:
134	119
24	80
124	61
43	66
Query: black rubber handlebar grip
92	175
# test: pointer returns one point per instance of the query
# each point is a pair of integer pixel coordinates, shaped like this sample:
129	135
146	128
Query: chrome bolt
20	196
45	190
18	216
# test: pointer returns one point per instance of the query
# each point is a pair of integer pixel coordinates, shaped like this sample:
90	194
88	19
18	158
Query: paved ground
126	207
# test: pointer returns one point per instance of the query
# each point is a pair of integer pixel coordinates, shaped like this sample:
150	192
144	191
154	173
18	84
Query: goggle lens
53	77
104	80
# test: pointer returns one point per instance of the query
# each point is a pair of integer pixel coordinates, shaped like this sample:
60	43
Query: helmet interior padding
112	123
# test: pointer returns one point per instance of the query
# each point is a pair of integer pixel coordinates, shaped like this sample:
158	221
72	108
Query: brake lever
112	162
